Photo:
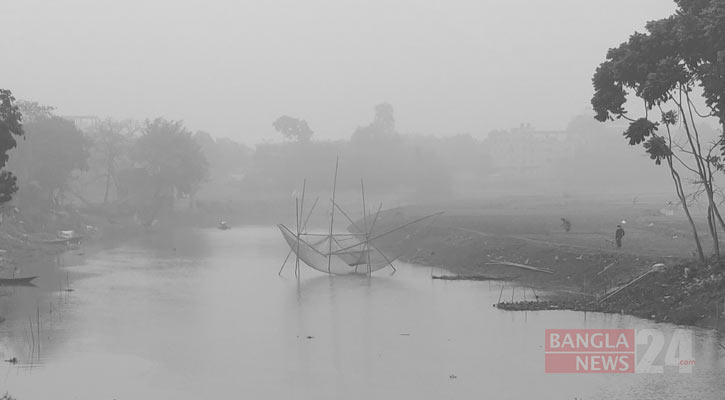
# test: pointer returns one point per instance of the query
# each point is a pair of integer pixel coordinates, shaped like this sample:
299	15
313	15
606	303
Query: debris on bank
517	265
546	305
472	278
681	294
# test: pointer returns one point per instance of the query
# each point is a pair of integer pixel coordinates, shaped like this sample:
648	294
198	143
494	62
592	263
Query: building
527	150
83	122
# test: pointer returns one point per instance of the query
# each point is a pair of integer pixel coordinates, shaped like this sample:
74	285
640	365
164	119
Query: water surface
203	314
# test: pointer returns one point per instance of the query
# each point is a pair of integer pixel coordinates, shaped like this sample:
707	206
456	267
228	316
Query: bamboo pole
511	264
304	228
297	253
309	214
285	261
632	282
302	202
332	215
365	218
366	247
369	243
391	231
300	227
32	333
38	326
375	220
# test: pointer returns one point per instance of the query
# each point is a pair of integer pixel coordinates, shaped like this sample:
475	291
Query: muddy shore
470	239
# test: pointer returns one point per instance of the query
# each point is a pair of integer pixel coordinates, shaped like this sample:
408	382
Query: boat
49	239
58	241
338	253
25	281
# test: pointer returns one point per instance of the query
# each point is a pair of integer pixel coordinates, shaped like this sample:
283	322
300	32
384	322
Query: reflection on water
204	314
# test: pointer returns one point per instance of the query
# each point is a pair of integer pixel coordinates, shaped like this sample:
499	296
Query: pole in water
38	308
300	225
366	246
302	204
304	228
332	216
285	262
297	254
367	242
499	295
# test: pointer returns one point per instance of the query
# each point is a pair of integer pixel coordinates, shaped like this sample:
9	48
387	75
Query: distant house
83	122
527	150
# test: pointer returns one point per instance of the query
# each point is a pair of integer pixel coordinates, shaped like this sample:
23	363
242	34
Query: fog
232	67
456	185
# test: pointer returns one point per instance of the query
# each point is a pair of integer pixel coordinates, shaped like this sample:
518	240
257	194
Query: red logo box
590	350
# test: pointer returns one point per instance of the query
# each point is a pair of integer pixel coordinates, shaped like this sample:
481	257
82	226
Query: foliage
701	28
8	186
638	130
111	141
657	149
390	163
171	156
683	50
10	125
55	148
661	67
293	128
381	129
228	160
32	110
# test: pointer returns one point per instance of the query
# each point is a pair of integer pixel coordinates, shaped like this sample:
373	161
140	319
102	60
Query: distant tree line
146	165
390	162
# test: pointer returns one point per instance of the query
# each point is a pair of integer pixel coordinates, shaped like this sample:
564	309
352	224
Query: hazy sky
232	67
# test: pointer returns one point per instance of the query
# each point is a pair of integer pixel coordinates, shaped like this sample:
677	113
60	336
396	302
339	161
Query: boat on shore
62	239
25	281
59	241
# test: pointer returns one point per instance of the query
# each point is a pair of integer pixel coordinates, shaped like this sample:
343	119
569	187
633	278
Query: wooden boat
25	281
75	239
57	241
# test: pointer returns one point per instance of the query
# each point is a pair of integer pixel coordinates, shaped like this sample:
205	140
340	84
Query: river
203	314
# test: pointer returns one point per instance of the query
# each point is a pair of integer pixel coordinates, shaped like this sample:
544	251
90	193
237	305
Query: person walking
566	224
618	235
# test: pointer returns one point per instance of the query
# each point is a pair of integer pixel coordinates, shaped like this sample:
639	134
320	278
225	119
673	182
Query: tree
662	68
112	140
293	128
54	149
173	160
382	129
11	124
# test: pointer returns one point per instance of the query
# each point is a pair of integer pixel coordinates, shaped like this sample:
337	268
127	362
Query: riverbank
29	237
472	239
